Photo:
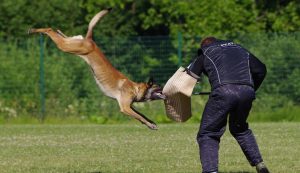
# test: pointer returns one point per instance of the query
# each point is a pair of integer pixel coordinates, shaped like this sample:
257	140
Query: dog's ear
151	81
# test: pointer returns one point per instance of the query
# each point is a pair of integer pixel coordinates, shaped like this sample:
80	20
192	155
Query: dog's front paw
152	126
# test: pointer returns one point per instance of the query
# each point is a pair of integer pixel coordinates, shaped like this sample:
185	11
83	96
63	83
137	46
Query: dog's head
153	91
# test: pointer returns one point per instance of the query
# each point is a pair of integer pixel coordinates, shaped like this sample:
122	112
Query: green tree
18	16
279	16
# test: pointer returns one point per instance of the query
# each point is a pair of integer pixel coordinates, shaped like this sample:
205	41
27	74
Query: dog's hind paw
30	31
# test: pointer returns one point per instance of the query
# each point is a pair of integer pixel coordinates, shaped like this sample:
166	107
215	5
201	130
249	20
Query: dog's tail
94	21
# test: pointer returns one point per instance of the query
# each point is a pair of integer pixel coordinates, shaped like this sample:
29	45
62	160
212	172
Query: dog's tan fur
112	82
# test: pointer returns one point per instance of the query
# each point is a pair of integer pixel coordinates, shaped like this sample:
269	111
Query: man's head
208	40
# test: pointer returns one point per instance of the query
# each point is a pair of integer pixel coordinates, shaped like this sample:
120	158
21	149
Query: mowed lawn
135	149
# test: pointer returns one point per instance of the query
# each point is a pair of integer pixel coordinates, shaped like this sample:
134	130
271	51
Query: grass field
134	148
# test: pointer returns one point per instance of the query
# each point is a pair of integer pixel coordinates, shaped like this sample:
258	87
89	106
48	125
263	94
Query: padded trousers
234	101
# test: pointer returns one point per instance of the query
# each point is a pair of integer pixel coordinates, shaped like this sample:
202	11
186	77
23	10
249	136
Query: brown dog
112	82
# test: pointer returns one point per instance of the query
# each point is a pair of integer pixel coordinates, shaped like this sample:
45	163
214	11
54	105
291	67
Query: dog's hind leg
77	46
56	37
61	33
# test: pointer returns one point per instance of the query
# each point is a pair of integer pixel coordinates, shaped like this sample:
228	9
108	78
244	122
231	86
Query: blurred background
39	83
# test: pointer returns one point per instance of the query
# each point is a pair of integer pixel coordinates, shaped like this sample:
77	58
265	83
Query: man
234	75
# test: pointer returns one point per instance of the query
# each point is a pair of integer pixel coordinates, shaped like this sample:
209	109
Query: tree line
151	17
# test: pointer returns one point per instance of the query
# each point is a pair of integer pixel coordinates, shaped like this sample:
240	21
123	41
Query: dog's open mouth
157	94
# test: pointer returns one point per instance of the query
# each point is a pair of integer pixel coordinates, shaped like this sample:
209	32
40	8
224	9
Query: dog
113	83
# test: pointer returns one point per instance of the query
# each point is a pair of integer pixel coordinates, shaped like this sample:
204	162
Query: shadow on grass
236	172
86	172
219	172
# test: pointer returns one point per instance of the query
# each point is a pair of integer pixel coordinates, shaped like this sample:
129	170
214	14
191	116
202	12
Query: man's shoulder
220	43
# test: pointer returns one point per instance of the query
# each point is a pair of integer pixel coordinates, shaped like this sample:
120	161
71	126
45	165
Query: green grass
133	148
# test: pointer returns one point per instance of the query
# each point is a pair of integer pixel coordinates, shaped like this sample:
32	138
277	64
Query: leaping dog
113	83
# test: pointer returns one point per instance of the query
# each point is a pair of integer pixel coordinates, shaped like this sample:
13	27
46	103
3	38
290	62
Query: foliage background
141	38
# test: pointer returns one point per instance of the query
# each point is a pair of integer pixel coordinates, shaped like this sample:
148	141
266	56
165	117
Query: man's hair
208	40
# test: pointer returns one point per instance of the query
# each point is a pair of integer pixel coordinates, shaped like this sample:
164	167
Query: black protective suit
234	75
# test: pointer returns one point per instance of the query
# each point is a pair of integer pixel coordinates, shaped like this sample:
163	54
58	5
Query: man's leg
213	125
238	126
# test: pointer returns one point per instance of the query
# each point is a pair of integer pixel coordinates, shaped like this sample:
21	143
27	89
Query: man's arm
196	68
258	70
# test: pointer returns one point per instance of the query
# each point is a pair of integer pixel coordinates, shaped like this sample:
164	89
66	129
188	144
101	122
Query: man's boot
261	168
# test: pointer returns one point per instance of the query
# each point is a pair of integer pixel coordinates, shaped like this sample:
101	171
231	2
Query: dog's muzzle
157	94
